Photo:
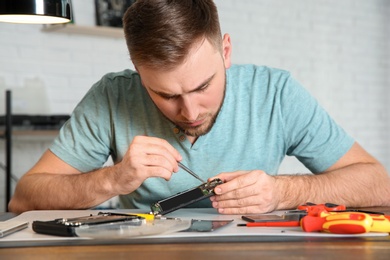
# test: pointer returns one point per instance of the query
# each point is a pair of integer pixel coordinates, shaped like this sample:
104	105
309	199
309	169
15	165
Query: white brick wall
338	49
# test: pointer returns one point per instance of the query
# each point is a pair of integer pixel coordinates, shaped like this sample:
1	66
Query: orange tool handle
338	223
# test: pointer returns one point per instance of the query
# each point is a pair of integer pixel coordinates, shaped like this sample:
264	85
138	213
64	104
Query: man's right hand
146	157
53	184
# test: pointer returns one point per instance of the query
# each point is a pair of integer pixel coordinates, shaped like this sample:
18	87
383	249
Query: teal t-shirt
265	116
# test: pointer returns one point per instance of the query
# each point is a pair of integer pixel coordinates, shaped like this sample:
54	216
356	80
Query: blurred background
338	49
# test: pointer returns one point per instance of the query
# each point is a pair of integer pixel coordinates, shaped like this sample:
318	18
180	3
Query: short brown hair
160	33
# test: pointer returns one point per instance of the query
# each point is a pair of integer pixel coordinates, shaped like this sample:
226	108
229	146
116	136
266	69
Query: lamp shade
36	11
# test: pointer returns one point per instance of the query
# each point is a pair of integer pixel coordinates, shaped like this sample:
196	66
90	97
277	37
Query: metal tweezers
190	172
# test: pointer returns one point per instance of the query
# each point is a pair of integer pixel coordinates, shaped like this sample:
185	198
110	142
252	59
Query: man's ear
227	50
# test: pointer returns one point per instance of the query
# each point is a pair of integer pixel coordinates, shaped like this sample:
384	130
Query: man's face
191	94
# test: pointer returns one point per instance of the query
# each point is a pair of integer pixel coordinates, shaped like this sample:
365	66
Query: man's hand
246	192
146	157
54	184
355	180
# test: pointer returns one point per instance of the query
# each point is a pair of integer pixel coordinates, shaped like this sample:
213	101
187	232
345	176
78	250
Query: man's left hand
246	192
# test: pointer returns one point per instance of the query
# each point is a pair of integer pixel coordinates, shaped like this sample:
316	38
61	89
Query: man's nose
189	108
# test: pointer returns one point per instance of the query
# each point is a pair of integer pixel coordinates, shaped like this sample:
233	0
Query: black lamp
36	11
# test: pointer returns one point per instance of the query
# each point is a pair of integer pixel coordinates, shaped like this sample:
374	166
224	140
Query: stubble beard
206	127
202	129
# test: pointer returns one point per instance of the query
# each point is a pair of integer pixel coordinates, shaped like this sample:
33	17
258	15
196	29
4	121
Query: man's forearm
62	191
357	185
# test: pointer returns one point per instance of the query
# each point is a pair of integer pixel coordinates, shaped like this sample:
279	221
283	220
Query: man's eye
168	97
202	89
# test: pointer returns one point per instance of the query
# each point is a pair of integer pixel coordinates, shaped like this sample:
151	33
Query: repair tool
313	209
346	223
328	217
289	218
338	219
190	172
271	224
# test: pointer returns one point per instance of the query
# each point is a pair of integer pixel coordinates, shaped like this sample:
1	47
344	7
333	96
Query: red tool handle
339	223
316	209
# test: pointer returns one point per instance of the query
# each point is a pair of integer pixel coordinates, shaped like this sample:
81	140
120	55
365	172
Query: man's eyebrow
200	86
205	82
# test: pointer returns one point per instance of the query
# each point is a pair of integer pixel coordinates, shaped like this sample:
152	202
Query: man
188	103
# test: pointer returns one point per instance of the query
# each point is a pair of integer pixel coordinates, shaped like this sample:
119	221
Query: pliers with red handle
313	209
316	209
338	219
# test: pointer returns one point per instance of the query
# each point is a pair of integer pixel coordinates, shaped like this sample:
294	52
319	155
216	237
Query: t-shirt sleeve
83	141
311	135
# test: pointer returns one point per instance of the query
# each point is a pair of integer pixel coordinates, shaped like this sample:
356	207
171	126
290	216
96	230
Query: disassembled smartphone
185	198
66	227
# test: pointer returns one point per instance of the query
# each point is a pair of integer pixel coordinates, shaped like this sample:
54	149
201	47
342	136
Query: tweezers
190	172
